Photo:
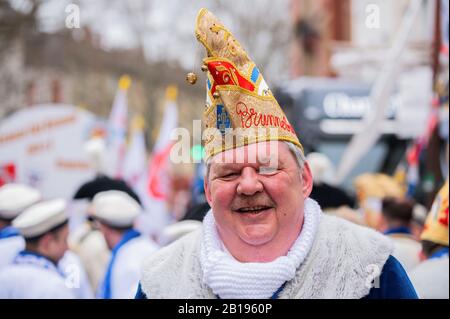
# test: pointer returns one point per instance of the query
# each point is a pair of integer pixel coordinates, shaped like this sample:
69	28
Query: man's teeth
253	209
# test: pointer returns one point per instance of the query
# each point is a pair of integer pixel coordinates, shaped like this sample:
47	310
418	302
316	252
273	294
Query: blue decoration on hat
223	119
255	74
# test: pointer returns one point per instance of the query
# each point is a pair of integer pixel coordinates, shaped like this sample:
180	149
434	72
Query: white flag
158	180
117	128
135	173
135	162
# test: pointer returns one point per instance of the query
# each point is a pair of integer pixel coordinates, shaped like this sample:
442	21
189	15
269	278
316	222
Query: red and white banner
158	180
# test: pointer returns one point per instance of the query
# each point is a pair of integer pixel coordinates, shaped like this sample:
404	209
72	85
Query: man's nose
249	182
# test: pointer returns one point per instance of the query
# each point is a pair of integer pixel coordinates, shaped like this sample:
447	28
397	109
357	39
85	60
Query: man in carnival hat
263	237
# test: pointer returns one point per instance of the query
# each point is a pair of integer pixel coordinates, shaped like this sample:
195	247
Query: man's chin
257	235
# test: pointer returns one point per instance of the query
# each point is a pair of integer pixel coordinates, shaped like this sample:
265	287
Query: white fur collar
340	265
230	278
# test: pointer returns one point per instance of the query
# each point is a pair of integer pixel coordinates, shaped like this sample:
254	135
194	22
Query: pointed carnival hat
436	224
240	108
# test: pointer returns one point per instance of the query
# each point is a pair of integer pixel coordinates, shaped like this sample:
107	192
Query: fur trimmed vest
341	264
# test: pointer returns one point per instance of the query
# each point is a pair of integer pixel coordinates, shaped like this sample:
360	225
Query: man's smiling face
256	202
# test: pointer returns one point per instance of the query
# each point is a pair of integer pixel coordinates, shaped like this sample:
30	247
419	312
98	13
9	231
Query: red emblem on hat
225	73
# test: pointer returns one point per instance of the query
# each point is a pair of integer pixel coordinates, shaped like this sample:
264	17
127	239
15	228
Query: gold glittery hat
240	109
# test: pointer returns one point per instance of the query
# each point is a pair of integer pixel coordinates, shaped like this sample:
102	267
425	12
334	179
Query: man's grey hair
298	154
295	150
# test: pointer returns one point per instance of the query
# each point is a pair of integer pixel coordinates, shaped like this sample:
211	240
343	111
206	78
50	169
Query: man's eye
229	175
267	170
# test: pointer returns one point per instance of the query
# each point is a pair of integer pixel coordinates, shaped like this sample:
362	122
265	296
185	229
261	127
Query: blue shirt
394	284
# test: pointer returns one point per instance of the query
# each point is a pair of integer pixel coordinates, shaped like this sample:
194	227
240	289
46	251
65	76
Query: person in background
370	190
418	220
115	212
90	245
328	196
431	276
395	222
333	200
86	241
14	199
73	269
34	272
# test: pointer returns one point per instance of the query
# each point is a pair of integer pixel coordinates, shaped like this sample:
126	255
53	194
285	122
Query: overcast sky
168	27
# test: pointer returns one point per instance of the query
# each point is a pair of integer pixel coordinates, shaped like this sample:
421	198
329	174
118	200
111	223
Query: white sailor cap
41	218
115	208
15	198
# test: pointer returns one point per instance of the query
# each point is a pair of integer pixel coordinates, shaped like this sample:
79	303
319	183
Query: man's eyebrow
226	166
264	160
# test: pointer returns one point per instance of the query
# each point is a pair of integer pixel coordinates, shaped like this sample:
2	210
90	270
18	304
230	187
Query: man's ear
307	180
207	191
44	242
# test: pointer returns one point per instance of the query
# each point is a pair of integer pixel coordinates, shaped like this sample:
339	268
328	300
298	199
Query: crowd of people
266	229
37	260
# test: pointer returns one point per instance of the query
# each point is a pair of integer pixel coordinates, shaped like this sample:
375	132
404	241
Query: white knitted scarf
229	278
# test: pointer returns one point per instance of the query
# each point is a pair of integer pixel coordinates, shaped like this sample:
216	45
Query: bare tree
164	30
17	20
